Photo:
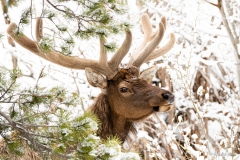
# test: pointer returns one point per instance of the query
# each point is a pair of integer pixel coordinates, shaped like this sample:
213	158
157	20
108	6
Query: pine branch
8	89
36	145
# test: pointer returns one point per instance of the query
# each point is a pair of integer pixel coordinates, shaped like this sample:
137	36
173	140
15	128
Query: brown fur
102	109
117	111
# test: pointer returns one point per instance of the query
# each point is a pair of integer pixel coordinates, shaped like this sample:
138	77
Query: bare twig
166	145
234	41
8	89
214	89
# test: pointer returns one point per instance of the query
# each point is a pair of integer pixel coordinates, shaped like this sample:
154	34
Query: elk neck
111	124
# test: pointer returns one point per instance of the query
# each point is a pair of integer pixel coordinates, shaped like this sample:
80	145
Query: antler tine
150	47
22	39
164	21
103	53
39	29
147	30
163	50
122	51
53	56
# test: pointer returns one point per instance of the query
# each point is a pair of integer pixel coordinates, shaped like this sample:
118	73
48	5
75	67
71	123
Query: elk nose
168	97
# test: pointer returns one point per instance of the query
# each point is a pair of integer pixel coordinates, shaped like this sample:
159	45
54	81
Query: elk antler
144	53
150	42
109	69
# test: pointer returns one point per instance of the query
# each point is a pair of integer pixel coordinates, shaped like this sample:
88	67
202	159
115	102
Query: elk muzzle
162	102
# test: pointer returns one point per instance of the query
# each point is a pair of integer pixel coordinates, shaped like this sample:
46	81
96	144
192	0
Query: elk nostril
168	97
165	96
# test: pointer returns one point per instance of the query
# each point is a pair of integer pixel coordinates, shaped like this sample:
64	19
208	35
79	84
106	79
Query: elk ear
148	74
95	79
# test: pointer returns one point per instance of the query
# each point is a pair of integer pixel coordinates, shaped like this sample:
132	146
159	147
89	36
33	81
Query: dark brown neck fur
111	123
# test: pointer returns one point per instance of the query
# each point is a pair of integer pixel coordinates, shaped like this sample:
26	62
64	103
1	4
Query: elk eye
123	89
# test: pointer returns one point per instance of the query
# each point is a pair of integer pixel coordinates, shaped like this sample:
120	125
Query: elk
127	96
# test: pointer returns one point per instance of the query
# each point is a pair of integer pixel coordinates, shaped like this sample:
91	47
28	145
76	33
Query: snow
200	91
124	156
144	134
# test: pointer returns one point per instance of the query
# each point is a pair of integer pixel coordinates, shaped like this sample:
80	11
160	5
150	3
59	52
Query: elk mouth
162	108
156	108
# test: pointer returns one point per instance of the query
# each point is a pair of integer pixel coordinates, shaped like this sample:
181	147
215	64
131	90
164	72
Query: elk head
127	95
